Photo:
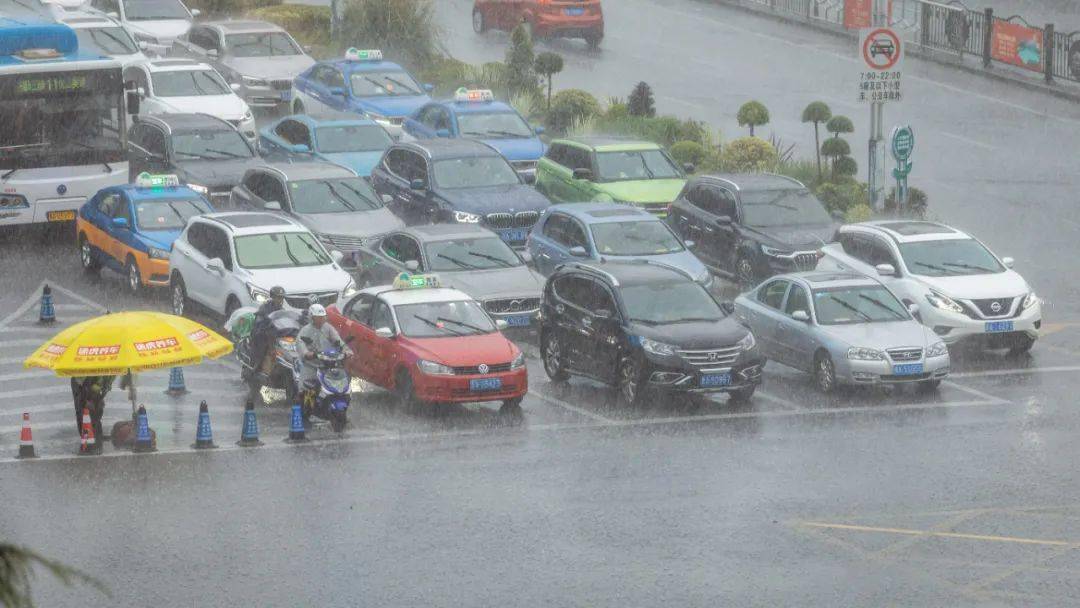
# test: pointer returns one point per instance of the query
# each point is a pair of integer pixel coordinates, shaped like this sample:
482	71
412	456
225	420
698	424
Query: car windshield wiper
9	173
456	261
645	321
288	252
378	84
363	196
461	323
880	304
851	308
338	196
937	268
696	319
225	152
89	147
402	85
195	155
645	166
967	266
437	326
492	258
94	34
508	134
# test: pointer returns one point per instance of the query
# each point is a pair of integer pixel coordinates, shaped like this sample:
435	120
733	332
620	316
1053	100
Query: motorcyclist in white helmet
315	337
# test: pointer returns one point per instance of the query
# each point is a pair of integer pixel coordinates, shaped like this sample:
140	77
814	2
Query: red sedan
543	18
430	345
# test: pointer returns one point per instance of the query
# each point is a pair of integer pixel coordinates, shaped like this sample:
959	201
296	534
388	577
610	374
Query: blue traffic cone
249	435
143	441
296	429
176	382
48	315
204	437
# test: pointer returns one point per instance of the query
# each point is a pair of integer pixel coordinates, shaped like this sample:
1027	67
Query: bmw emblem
995	306
482	368
61	189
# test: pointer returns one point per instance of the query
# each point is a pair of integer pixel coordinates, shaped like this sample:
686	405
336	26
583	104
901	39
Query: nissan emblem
995	306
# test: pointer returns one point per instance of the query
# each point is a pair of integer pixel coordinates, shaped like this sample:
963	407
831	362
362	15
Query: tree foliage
521	62
752	114
570	107
404	28
688	152
547	65
17	572
817	112
835	147
839	124
640	102
748	155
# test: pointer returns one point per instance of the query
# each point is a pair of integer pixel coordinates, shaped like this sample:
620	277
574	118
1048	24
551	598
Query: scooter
284	326
334	389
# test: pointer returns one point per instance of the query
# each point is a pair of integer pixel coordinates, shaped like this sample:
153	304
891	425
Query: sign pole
902	141
875	161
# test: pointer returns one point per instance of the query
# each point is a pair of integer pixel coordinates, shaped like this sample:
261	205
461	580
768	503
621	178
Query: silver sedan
844	329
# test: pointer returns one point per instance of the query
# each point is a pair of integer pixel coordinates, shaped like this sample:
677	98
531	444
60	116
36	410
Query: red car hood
462	351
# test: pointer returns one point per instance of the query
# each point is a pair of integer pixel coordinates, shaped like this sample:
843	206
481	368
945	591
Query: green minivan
623	171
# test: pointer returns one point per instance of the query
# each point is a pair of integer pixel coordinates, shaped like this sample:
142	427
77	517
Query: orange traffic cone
26	439
88	445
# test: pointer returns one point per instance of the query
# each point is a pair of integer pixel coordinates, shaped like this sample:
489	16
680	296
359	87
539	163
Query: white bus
63	123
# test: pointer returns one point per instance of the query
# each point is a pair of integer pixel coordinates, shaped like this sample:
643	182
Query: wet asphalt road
964	498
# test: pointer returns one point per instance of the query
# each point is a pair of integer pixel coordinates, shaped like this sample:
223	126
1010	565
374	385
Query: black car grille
303	300
904	354
281	85
712	357
472	370
512	305
346	242
806	261
521	219
986	307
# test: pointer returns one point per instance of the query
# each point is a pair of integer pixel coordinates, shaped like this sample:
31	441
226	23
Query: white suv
961	288
223	261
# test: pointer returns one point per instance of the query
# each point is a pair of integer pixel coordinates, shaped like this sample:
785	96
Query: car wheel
179	296
1022	345
511	407
86	256
744	273
593	39
742	395
631	383
403	386
825	373
231	305
479	24
134	279
298	107
553	359
929	386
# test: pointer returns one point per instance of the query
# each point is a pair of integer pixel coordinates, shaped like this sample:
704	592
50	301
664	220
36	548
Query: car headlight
773	252
203	190
463	217
859	353
937	349
747	342
257	294
944	303
350	289
253	82
657	348
248	116
433	368
1029	300
518	362
158	254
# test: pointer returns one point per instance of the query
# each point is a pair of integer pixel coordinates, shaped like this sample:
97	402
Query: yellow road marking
1053	328
910	532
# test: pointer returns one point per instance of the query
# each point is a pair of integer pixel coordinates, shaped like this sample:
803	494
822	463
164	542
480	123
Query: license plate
514	235
60	216
907	369
715	380
573	12
518	320
485	384
994	327
286	95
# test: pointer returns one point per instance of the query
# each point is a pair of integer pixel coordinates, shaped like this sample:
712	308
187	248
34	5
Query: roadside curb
928	54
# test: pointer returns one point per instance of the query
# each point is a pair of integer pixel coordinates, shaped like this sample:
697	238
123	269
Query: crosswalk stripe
70	422
35	342
143	379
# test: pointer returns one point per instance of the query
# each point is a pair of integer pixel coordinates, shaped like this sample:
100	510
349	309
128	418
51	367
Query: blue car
476	115
131	228
609	231
361	83
356	143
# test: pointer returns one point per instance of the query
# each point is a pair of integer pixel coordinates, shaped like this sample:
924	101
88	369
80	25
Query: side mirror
801	315
501	324
143	45
886	270
913	308
539	130
723	220
300	148
428	87
272	206
235	87
602	314
386	199
579	252
337	256
689	244
582	173
133	102
412	265
195	12
215	265
384	332
120	222
526	257
417	184
212	53
1008	262
442	132
688	167
728	308
338	91
529	178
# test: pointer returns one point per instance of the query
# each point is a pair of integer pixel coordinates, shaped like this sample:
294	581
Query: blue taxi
131	228
361	82
476	115
357	143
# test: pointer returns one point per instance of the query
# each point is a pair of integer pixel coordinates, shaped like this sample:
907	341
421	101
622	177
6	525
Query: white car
183	86
102	34
224	261
158	23
962	289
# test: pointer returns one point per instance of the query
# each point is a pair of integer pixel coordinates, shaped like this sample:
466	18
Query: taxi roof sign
416	281
474	95
148	180
355	54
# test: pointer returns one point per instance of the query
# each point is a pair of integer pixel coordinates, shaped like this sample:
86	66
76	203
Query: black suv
752	226
644	326
204	152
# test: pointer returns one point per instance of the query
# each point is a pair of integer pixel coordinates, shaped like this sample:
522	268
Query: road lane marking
791	405
1052	328
967	140
34	299
956	535
144	379
975	392
1018	371
35	342
572	408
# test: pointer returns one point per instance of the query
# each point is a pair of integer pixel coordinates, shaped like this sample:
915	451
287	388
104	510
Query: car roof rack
593	268
648	262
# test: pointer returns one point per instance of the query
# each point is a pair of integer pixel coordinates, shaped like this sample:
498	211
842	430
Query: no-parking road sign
881	54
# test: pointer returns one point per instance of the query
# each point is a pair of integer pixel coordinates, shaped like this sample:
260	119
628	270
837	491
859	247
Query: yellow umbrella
122	342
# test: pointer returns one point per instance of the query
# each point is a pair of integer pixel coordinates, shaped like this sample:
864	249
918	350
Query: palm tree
16	572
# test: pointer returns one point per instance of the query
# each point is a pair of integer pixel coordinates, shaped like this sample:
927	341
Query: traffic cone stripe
204	437
249	435
26	439
88	443
48	315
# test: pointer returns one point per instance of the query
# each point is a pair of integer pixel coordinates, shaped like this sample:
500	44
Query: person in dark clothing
260	333
89	392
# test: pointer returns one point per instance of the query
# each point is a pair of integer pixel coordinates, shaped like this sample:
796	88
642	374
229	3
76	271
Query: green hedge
212	8
310	25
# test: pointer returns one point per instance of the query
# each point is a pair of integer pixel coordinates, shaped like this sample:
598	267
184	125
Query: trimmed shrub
753	114
688	152
916	207
843	195
804	170
845	166
570	106
445	73
308	24
520	62
817	112
748	155
228	7
858	213
839	124
640	102
404	29
547	65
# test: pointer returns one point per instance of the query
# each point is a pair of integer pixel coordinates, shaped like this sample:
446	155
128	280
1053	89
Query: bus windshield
59	119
